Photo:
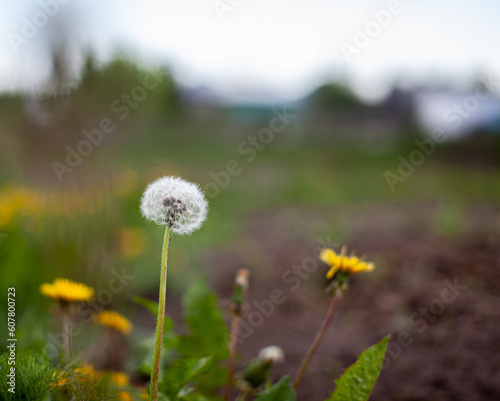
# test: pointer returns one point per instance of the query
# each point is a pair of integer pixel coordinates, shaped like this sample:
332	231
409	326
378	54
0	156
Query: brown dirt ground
454	357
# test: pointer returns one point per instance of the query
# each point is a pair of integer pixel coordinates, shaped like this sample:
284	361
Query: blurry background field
323	176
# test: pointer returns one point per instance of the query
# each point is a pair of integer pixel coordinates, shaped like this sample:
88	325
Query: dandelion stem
239	292
317	340
161	317
66	339
232	355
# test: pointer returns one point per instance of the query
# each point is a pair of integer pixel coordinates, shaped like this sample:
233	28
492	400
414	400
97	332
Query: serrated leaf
205	321
358	380
281	391
181	373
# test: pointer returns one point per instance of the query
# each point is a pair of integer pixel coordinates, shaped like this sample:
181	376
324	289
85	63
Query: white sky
285	47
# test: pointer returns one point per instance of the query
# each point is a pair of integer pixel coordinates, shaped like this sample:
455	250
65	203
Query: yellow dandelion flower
125	396
66	291
87	373
343	264
113	320
119	379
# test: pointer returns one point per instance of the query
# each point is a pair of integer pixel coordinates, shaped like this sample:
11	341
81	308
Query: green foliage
257	371
335	96
76	389
170	339
209	334
34	377
281	391
36	380
196	357
180	374
358	380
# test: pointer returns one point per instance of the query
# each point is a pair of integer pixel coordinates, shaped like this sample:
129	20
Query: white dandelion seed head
242	278
273	354
173	201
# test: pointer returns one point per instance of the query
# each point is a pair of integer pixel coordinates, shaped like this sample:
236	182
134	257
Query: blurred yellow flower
87	373
342	263
66	291
61	377
132	242
113	320
125	396
14	200
34	203
119	379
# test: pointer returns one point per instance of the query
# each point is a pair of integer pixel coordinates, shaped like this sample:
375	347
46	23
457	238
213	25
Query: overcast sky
284	47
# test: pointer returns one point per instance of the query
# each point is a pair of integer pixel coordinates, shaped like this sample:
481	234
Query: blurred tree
335	96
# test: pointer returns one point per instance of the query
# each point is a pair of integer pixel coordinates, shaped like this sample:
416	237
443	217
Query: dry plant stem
317	340
161	317
100	347
66	340
235	326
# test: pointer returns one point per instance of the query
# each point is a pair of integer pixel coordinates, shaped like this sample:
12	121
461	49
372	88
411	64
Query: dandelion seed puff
272	353
173	201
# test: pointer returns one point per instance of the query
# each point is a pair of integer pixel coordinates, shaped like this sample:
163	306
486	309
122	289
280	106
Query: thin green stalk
317	340
155	368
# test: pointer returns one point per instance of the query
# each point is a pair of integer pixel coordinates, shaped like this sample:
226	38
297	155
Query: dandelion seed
174	202
273	354
258	370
